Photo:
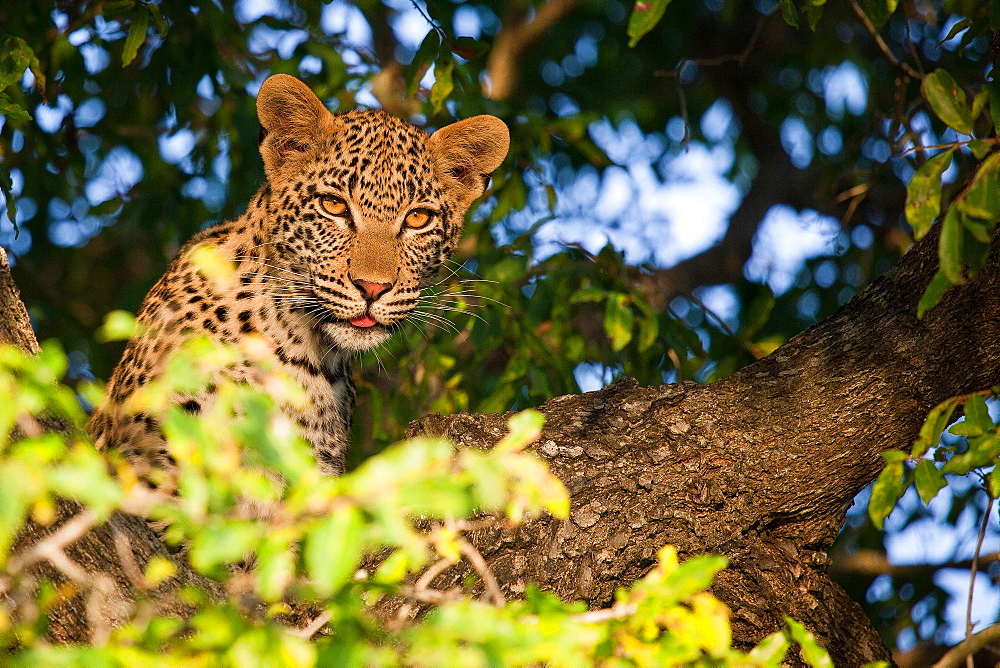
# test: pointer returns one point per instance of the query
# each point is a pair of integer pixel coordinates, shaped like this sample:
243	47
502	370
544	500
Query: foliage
305	540
972	454
127	126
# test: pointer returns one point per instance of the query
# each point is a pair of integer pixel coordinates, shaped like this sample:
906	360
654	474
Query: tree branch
519	33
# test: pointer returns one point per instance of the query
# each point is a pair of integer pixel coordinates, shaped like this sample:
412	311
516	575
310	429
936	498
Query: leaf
951	247
928	479
981	147
118	326
13	110
977	413
618	321
428	50
771	650
948	101
5	187
814	12
136	37
930	433
812	653
993	483
15	56
879	11
955	29
468	47
645	16
923	194
888	489
789	13
933	294
158	21
333	549
982	452
982	198
159	569
443	82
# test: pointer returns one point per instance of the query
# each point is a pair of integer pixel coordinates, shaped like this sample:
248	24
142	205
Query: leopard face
364	208
359	212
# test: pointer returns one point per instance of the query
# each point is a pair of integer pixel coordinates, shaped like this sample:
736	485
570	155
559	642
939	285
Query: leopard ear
467	152
291	119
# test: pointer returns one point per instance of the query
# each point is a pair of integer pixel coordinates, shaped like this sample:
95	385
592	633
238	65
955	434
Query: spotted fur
319	281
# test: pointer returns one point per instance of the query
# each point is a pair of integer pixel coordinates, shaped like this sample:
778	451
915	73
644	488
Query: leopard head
364	208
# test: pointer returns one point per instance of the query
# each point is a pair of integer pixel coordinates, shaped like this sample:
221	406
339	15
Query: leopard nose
371	291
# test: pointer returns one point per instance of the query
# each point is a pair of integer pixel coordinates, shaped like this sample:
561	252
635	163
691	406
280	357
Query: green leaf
993	483
223	543
933	294
13	110
951	247
158	21
977	413
928	480
5	187
118	326
948	101
879	11
812	653
789	13
982	197
934	424
645	16
443	82
136	37
955	29
888	489
993	87
333	549
425	55
771	650
981	147
923	194
618	321
978	102
982	452
15	56
814	12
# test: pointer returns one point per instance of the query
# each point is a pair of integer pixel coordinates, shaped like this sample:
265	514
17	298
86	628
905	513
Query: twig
951	144
619	611
739	58
314	626
434	26
972	576
883	47
51	547
129	565
965	649
478	563
422	585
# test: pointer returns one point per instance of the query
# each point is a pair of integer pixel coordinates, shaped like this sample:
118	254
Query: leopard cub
358	213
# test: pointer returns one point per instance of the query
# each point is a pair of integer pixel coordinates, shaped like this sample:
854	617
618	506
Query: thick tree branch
519	33
760	466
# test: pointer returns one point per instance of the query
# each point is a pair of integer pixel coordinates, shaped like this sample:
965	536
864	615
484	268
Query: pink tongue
362	321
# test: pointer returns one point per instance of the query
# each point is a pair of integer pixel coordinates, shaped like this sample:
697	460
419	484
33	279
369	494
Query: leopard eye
419	218
333	205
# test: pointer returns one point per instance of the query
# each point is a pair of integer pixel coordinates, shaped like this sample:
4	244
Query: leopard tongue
363	321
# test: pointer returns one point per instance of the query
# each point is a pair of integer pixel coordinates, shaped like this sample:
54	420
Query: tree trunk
760	466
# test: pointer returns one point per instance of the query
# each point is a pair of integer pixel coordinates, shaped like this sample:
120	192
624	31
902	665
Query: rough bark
760	466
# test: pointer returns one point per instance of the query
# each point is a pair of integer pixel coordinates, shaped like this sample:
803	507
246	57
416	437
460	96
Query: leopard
357	215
